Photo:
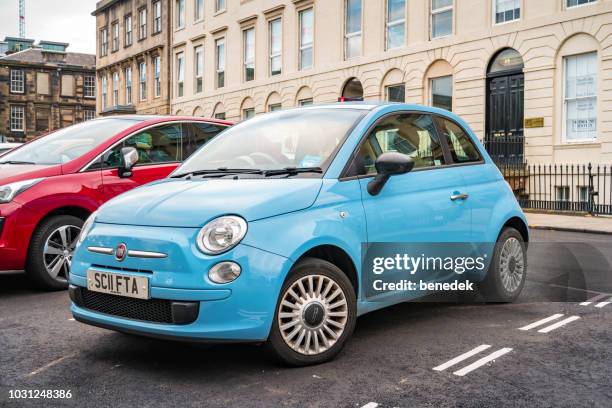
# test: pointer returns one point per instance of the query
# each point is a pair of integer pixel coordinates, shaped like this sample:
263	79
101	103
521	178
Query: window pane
442	24
580	96
396	10
436	4
306	25
157	145
306	58
410	134
396	93
573	3
276	66
196	135
353	16
353	46
461	146
395	35
442	92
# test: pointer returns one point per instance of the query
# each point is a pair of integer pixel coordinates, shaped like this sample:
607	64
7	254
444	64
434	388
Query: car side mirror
387	165
129	157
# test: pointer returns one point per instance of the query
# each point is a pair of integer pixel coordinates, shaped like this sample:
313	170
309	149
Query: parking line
370	405
49	365
541	322
462	357
482	361
602	304
558	324
594	299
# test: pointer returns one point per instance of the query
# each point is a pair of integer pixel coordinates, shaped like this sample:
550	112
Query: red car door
159	153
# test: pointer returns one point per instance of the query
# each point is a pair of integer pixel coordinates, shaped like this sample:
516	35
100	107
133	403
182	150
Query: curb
570	229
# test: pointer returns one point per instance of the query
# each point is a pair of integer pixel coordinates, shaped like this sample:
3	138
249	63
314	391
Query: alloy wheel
512	264
58	251
312	314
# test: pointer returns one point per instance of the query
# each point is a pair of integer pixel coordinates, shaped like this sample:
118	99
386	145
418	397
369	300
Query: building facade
44	88
532	78
133	48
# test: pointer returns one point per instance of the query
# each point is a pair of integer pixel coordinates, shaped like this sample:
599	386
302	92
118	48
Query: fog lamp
224	272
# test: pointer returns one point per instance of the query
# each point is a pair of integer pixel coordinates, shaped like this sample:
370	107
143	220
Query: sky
67	21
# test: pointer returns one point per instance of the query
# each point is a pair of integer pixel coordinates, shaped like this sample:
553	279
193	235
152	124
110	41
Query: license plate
116	284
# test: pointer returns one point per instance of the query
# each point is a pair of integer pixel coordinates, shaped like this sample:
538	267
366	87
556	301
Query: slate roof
35	56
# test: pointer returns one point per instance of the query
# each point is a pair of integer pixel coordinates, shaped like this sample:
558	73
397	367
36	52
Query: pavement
572	223
551	348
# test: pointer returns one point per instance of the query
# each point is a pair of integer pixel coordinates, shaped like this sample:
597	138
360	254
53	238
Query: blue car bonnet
184	203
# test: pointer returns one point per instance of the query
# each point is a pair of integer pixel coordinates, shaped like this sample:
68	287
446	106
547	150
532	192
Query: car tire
314	327
48	237
508	270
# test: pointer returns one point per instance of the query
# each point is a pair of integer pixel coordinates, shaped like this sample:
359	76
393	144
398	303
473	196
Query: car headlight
9	191
86	228
221	234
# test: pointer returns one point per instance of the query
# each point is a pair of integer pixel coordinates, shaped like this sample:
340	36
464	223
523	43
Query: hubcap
512	264
312	314
58	251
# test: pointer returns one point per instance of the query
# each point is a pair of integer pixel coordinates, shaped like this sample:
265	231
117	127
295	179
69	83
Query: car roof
163	118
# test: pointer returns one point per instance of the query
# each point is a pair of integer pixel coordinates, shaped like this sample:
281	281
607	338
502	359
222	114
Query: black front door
504	137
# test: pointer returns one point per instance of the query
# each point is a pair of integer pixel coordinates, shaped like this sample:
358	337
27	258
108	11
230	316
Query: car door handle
459	196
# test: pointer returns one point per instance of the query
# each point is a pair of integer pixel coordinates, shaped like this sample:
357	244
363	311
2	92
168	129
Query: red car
48	187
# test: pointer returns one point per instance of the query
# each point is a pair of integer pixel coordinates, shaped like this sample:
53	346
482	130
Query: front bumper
16	226
242	310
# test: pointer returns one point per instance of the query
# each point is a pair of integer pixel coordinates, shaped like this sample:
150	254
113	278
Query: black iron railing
505	149
561	187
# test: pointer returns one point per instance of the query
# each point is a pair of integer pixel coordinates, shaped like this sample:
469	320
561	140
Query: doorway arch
504	138
352	91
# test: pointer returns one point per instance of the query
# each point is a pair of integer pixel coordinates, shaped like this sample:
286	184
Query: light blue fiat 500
258	236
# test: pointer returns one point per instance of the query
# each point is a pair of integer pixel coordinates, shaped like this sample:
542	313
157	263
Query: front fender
337	218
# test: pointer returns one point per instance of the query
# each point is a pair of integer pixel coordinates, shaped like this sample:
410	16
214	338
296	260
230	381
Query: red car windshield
69	143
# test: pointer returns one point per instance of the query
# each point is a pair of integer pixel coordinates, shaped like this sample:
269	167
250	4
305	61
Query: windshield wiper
16	162
290	171
220	172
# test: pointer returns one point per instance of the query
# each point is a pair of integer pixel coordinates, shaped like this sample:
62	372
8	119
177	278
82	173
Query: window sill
506	22
218	12
578	144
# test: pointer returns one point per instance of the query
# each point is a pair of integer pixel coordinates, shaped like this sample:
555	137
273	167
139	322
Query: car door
482	180
421	206
159	153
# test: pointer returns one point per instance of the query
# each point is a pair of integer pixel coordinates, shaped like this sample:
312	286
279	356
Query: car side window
461	147
156	145
197	134
413	134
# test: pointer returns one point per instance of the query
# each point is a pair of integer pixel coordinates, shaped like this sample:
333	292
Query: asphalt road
389	361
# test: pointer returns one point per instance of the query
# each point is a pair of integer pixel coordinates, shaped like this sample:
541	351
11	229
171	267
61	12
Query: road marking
602	304
541	322
482	361
49	365
462	357
370	405
558	324
71	319
594	299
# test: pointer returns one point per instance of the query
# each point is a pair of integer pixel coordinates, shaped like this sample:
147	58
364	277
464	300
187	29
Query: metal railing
561	187
506	149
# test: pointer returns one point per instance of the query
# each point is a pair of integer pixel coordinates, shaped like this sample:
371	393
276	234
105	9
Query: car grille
151	310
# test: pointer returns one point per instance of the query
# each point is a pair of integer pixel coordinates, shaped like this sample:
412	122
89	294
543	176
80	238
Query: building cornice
274	11
218	30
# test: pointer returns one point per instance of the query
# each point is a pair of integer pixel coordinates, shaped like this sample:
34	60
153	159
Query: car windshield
295	139
69	143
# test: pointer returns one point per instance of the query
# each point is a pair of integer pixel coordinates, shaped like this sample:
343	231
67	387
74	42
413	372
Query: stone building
133	43
532	78
43	88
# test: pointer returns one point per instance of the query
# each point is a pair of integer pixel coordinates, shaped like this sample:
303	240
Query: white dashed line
594	299
370	405
558	324
602	304
541	322
482	361
71	319
462	357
